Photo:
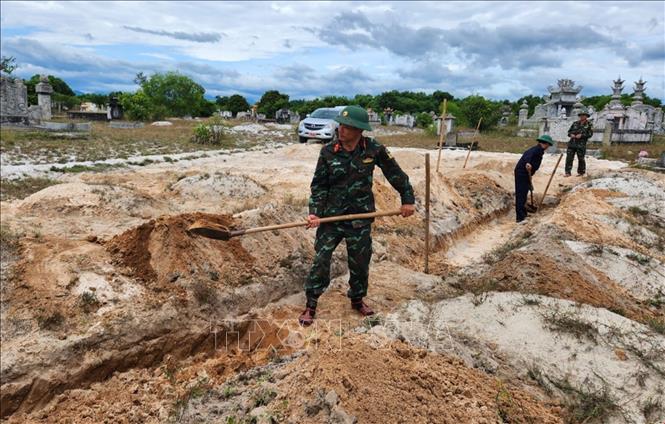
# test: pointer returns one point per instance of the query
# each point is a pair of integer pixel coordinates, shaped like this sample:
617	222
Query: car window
325	113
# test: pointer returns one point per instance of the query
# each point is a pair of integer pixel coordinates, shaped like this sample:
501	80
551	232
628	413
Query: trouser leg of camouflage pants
359	250
580	151
521	192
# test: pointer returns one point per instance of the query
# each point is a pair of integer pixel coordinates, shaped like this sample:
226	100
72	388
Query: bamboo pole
550	181
427	182
475	134
443	131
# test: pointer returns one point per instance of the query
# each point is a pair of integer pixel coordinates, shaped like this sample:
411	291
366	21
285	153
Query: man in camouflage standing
580	132
342	184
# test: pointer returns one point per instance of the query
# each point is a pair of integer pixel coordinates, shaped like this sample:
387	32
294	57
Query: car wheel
303	139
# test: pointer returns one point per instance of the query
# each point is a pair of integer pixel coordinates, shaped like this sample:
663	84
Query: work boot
362	307
307	317
566	175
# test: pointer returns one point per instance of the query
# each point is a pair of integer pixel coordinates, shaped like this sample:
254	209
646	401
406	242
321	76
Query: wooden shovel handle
322	220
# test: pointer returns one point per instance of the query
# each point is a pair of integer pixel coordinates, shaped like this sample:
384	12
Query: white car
320	125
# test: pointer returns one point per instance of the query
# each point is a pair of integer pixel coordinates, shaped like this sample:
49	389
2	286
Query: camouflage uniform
342	184
578	146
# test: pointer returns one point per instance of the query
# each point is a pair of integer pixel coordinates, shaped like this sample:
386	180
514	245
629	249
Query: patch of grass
536	374
587	404
50	320
372	321
88	301
9	240
651	407
97	167
595	250
642	260
501	252
529	301
637	211
24	187
200	389
204	293
504	404
593	405
144	162
264	396
229	391
656	324
103	143
568	323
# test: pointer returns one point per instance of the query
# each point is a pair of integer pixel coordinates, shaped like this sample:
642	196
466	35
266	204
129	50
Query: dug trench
136	325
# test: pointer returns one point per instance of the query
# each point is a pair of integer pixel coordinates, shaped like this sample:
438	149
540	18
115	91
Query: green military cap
354	116
546	139
584	112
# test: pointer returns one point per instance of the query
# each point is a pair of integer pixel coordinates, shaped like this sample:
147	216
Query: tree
271	101
473	108
222	102
174	93
440	96
237	103
531	101
137	106
60	87
8	64
424	120
98	99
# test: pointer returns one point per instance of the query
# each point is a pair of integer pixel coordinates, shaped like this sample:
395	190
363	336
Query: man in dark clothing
579	132
342	184
528	165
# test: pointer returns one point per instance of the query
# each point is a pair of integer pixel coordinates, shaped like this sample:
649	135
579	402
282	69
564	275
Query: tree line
161	95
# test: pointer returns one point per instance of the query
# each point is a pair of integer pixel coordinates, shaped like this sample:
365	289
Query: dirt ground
113	312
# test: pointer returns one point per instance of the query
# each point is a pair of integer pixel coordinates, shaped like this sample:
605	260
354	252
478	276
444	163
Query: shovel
219	232
531	206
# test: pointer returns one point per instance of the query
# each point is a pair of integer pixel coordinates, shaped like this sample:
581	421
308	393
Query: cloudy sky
309	49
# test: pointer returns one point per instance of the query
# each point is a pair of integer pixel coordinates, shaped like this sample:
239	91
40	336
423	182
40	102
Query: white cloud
250	47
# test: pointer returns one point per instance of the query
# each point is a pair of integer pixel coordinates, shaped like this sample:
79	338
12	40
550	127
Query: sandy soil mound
533	272
610	368
161	251
596	220
368	379
87	200
642	276
213	186
406	384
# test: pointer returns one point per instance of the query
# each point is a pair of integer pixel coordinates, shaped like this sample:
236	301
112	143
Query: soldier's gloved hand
313	221
407	210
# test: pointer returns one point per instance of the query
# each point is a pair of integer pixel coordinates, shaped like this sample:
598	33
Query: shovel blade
209	230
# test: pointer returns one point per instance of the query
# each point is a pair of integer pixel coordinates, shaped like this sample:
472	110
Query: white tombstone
44	91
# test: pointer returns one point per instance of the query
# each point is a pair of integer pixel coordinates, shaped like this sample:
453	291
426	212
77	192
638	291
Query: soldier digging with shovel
342	184
525	168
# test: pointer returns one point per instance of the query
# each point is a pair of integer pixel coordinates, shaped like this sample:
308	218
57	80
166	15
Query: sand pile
396	382
87	200
534	272
161	252
217	186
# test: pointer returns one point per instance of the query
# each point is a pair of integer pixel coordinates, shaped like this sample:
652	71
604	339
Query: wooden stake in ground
426	213
473	140
443	131
550	181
